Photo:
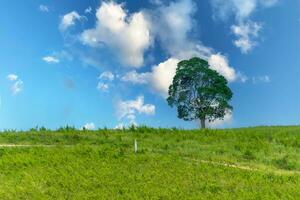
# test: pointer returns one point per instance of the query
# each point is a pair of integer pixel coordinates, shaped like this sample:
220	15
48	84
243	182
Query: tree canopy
199	92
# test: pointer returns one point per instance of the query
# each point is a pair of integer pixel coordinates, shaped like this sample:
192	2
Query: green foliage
102	164
199	92
285	163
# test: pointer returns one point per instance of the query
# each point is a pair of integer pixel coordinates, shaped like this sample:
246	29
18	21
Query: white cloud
221	122
89	126
162	76
127	35
107	75
172	24
43	8
129	109
50	59
136	78
69	20
241	9
245	30
246	34
88	10
219	63
103	87
17	87
12	77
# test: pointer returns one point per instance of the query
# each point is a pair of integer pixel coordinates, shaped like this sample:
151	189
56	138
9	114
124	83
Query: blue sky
99	63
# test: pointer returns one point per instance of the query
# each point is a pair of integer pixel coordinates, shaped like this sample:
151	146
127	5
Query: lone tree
199	92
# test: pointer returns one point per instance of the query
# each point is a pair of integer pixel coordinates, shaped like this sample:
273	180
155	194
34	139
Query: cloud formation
103	87
245	30
107	75
220	63
162	76
129	109
50	59
88	10
136	78
12	77
105	79
228	118
17	85
69	20
171	25
246	34
127	35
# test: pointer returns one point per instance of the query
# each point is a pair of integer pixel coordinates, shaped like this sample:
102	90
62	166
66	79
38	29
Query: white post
135	146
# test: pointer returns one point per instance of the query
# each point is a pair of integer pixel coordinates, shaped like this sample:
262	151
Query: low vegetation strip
253	163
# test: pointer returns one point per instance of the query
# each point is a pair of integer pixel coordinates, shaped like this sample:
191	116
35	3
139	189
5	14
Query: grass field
251	163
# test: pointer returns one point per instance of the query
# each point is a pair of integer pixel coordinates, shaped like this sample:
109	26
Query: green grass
251	163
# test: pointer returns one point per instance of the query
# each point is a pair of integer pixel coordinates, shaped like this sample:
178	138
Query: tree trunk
202	121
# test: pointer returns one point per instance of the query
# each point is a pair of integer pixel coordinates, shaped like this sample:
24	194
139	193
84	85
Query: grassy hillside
252	163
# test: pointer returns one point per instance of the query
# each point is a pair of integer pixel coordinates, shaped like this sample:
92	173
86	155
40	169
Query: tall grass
169	164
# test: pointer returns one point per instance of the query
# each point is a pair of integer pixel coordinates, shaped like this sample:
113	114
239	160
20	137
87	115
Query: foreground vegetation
251	163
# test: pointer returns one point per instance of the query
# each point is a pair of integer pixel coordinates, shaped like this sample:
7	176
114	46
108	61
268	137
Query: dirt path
247	168
214	163
224	164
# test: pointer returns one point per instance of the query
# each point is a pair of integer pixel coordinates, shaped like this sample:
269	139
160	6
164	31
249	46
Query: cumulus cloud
245	30
127	35
69	20
50	59
228	118
172	25
220	63
162	76
89	126
43	8
17	85
129	109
